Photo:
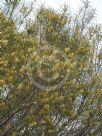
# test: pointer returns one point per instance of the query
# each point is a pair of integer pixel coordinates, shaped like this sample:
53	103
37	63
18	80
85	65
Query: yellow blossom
33	124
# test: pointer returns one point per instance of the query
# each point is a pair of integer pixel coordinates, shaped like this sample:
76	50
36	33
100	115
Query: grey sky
74	4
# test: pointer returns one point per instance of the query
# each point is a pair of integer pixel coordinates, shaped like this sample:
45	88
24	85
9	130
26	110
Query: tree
51	74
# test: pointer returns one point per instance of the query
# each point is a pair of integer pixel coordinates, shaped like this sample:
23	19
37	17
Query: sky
74	4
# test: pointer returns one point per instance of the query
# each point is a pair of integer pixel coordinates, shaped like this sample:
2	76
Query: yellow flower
13	54
43	42
73	65
42	121
81	91
60	98
46	106
14	134
50	16
1	82
67	50
71	55
20	86
46	100
57	67
49	29
56	94
50	131
2	104
33	124
16	60
10	78
23	69
4	42
29	50
47	119
41	75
